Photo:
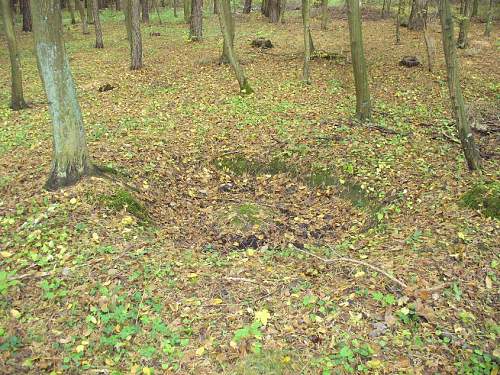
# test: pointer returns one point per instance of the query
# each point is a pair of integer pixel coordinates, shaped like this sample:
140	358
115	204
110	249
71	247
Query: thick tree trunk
187	11
17	98
26	11
132	15
226	24
489	18
324	14
196	24
72	11
70	156
247	8
83	16
363	106
463	40
307	39
97	25
145	11
118	5
457	101
273	10
416	20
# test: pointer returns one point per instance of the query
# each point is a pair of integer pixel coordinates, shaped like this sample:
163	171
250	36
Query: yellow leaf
262	316
233	344
488	282
5	254
147	371
79	348
250	252
286	359
15	313
200	350
216	301
374	364
127	220
72	201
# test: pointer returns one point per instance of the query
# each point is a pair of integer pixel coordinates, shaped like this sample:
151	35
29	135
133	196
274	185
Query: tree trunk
17	98
463	40
307	39
97	25
224	59
145	11
363	106
227	28
416	20
430	46
475	7
132	15
247	8
324	14
398	21
175	8
187	11
72	12
215	6
457	101
196	24
70	155
83	16
489	18
26	11
274	10
118	5
90	18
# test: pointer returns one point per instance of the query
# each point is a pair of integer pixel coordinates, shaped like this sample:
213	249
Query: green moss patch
484	196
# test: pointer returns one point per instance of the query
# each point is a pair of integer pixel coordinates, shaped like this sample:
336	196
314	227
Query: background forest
266	190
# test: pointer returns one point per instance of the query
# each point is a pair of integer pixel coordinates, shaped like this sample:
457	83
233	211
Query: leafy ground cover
197	258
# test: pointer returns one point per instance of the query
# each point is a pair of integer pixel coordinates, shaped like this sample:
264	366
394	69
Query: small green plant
122	199
53	289
7	282
484	196
384	299
479	363
351	357
249	332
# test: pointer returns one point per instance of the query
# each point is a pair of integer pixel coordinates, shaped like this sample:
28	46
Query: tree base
70	177
18	105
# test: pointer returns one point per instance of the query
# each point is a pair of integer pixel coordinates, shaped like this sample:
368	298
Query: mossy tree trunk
132	22
26	12
463	34
72	11
97	25
227	28
363	106
489	18
17	98
457	101
187	11
324	14
307	40
83	16
70	155
224	59
247	8
196	24
416	20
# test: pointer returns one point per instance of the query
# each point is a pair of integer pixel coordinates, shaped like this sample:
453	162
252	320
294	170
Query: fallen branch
355	261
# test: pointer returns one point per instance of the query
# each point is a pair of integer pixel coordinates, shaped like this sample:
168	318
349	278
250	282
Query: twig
355	261
244	279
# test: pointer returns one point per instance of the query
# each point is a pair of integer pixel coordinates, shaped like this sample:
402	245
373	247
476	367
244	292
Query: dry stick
355	261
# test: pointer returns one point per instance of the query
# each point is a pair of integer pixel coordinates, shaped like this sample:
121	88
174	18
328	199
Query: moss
484	196
122	199
245	89
266	363
240	165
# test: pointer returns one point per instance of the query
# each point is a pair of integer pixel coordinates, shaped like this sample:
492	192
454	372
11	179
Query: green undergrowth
484	196
123	199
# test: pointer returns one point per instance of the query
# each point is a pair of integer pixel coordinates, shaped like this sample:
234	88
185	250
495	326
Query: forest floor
201	255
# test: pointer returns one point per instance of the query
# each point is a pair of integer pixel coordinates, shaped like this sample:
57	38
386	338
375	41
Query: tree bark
26	11
307	39
90	18
72	12
463	40
196	23
247	8
97	25
145	11
187	11
83	16
226	24
363	106
457	101
416	20
118	5
489	18
17	98
324	14
430	46
215	6
398	21
175	8
132	15
475	7
224	59
273	10
70	155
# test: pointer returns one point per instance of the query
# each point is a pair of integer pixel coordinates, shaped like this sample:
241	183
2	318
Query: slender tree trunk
187	11
324	14
383	9
489	17
70	155
17	98
83	16
145	11
430	46
132	15
215	6
97	25
398	21
457	101
247	8
224	59
363	106
196	24
118	5
475	7
416	20
282	8
90	18
175	8
307	44
463	40
155	6
225	20
26	11
72	11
